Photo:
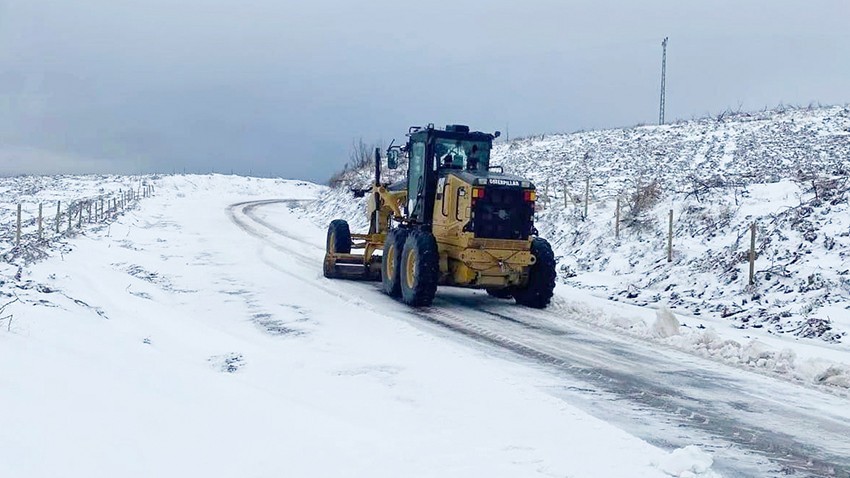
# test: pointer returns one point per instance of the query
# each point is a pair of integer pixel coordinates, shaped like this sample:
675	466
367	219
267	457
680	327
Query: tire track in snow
709	406
713	404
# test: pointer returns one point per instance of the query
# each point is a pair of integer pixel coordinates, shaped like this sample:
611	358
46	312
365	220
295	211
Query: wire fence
37	224
577	200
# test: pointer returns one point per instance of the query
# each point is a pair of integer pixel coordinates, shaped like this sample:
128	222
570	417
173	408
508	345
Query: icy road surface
753	425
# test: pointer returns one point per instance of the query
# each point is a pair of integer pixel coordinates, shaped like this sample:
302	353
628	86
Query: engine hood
490	178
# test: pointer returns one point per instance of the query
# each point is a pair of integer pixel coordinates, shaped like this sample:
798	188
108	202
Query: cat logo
503	182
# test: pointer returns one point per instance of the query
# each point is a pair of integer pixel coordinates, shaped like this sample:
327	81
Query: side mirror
497	134
392	158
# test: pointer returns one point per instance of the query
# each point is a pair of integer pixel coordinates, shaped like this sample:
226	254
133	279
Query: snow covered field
193	335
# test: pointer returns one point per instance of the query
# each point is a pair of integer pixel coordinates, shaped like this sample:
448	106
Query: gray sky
280	87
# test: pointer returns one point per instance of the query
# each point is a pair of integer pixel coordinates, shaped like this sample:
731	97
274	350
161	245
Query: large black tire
339	240
538	291
391	261
503	293
339	237
420	269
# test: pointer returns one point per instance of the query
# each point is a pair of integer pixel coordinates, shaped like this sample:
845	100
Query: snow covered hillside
785	170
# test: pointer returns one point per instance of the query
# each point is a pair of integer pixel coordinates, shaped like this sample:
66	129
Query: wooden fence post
566	196
88	203
617	221
80	217
752	253
586	195
58	215
670	238
70	218
18	234
40	216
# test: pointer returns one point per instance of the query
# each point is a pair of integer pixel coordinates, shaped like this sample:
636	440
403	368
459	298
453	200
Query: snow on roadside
808	363
688	462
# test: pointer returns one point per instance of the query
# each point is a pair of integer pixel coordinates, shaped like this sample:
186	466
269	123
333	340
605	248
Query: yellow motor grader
453	221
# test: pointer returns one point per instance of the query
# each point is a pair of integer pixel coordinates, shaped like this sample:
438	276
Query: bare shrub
642	200
360	158
360	154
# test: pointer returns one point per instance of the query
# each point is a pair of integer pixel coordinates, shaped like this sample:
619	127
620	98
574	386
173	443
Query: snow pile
665	324
790	361
688	462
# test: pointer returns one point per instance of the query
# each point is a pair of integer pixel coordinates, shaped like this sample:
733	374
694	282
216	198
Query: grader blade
352	267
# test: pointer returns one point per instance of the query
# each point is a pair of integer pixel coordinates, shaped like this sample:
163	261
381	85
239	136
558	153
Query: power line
663	80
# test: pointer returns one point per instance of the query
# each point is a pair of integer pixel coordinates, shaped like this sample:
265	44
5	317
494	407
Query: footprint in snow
229	363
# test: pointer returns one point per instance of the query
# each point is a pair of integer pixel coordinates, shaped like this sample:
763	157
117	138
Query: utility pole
663	80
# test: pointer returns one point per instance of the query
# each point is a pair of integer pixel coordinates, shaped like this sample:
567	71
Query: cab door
415	179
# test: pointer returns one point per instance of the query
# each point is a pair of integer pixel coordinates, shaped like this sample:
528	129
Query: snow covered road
752	424
196	336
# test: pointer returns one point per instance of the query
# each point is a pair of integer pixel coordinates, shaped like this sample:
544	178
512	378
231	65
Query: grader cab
453	221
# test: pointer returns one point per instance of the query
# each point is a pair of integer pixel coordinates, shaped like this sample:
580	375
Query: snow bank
665	324
688	462
778	359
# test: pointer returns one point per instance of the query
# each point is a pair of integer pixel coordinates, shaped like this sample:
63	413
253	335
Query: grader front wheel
338	241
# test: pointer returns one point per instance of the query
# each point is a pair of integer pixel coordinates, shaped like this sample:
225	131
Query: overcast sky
283	87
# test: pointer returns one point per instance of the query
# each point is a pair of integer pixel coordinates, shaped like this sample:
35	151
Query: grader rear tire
538	291
391	262
420	269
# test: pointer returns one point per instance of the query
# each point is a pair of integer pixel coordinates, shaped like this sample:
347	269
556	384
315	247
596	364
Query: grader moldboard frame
383	206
